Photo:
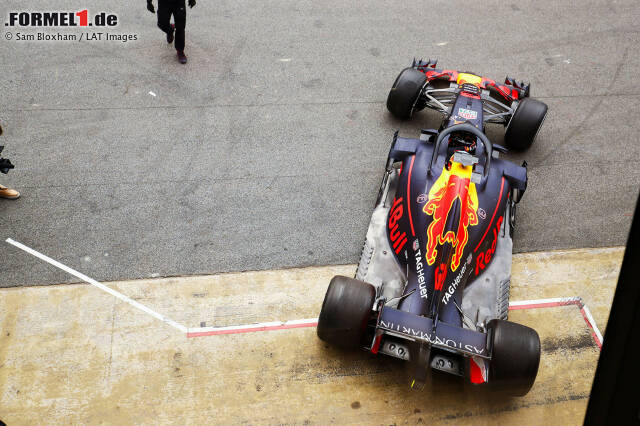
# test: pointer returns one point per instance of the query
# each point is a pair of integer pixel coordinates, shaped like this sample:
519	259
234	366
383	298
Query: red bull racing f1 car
432	284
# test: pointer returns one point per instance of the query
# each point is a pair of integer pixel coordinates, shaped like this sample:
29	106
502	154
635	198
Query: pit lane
266	152
84	355
267	149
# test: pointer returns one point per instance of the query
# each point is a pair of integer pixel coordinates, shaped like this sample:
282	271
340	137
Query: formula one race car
432	284
466	97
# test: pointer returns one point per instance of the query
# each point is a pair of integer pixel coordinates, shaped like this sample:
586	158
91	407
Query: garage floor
73	353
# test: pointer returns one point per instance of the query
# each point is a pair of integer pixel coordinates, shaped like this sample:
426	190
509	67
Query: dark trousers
166	8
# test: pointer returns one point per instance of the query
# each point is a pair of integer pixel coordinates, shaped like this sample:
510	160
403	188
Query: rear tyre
525	124
404	93
515	357
345	311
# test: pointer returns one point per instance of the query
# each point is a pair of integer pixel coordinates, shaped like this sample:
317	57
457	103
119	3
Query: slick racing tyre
404	93
525	124
345	312
515	356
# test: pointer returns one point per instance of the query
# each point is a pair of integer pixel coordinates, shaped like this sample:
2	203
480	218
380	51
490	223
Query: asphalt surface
266	149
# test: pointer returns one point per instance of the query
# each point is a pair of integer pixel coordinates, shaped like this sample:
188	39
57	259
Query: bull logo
452	184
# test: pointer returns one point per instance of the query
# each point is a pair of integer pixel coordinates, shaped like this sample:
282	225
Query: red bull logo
398	239
484	258
452	184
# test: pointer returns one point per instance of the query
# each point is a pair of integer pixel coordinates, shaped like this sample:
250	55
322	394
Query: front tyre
525	124
404	93
345	312
515	356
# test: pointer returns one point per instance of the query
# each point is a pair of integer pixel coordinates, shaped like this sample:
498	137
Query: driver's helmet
461	141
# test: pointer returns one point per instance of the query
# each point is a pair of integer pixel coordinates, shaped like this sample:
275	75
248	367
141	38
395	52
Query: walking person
174	31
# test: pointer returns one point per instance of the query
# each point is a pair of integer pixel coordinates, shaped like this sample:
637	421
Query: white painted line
249	328
563	301
97	284
555	300
262	326
303	321
592	323
299	323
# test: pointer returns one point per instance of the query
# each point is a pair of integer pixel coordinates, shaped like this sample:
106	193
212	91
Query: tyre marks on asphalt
580	126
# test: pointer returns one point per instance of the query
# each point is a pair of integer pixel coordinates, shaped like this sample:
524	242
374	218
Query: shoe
8	193
182	57
170	35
